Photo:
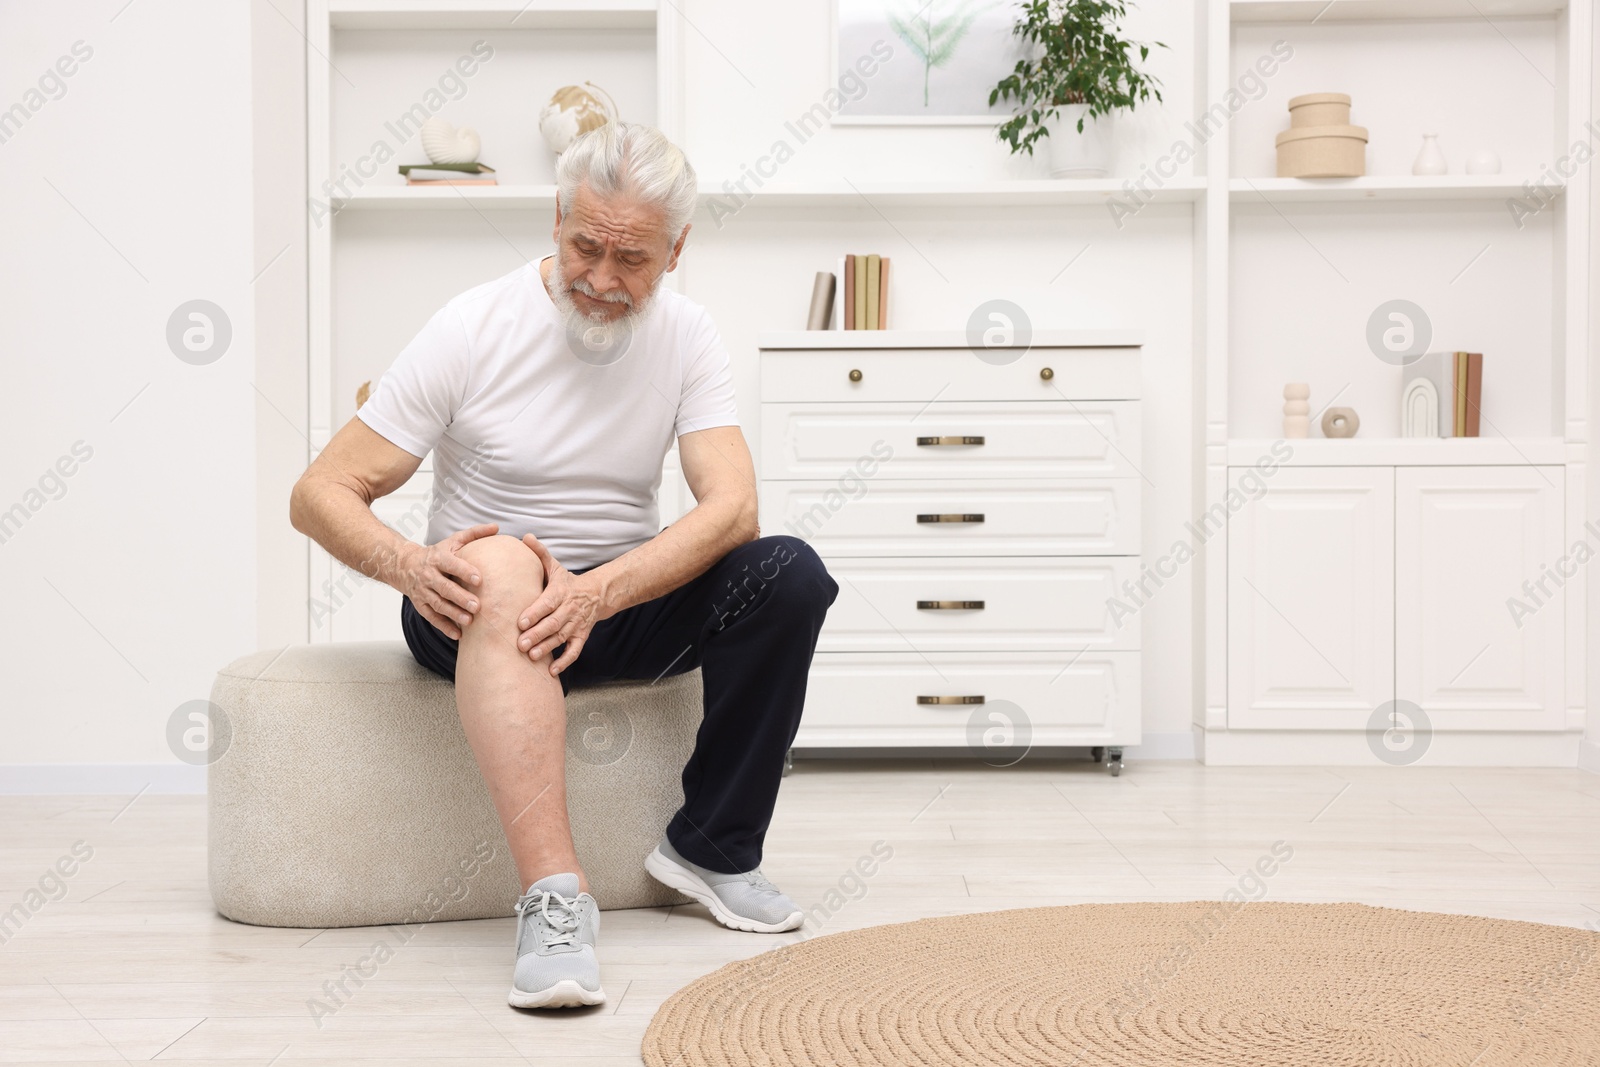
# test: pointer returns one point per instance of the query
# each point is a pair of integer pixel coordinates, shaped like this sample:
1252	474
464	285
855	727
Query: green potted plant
1079	71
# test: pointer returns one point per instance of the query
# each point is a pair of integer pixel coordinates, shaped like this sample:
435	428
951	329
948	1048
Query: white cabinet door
1311	600
1467	539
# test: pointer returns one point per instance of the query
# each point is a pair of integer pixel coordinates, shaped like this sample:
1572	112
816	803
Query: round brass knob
1046	373
855	375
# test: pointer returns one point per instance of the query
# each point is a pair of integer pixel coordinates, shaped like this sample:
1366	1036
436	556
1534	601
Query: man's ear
555	231
677	249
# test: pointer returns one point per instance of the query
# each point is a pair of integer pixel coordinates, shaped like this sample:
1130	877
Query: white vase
1430	160
1080	155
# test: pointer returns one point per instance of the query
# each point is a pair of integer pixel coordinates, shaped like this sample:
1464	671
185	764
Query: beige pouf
347	794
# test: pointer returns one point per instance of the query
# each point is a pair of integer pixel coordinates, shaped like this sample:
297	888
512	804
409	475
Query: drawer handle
951	700
1046	373
949	605
855	375
952	439
952	517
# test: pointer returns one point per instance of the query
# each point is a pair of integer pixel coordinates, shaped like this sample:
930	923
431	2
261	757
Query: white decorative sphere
446	144
572	112
1483	161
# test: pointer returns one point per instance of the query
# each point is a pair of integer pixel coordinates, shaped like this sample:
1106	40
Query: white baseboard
1178	746
1589	756
114	779
1349	748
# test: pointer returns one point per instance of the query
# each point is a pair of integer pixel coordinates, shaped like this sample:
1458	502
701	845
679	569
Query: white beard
578	322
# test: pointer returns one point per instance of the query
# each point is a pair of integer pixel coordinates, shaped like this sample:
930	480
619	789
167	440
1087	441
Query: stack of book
866	293
448	174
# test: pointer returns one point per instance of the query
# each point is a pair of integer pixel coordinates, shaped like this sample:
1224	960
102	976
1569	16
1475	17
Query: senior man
549	398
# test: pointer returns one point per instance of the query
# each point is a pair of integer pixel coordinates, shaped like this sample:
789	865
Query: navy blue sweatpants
750	623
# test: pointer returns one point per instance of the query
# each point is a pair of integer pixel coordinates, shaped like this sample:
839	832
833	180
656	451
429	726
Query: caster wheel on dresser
1114	763
1097	753
788	762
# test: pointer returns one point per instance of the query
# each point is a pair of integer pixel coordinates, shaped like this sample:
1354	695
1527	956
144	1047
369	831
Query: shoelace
759	881
563	925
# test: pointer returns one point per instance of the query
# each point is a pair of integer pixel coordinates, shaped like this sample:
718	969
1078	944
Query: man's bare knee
512	575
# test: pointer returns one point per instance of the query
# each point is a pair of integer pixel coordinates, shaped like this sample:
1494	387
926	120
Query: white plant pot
1080	155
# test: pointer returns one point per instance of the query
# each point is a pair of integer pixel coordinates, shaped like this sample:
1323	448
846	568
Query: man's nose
604	276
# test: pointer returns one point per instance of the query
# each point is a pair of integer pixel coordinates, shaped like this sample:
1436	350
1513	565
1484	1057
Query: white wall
126	196
278	79
1589	753
748	76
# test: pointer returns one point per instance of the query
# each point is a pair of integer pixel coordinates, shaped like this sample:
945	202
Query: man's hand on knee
565	611
440	583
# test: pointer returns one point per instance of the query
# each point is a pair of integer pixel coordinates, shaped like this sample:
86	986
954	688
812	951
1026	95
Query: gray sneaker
557	927
742	901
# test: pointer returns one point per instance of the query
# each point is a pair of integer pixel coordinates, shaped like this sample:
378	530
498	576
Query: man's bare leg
514	714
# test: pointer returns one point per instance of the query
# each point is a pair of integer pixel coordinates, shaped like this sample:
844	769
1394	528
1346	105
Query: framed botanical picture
943	58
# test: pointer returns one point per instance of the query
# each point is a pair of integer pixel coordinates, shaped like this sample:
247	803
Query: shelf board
492	14
1017	193
946	194
854	339
1402	451
1305	11
1387	187
458	197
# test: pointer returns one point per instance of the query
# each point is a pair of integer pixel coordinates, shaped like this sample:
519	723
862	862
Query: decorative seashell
446	144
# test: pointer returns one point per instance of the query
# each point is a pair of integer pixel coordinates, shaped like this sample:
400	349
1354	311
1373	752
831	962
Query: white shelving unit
1292	269
1281	273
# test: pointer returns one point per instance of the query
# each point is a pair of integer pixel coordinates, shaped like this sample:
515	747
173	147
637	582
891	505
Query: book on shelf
443	170
864	303
883	294
847	272
874	264
473	173
861	292
1474	393
821	314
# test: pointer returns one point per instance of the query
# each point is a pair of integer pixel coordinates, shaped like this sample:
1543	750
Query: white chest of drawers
979	515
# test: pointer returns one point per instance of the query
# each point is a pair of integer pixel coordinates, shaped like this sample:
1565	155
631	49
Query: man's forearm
677	555
337	518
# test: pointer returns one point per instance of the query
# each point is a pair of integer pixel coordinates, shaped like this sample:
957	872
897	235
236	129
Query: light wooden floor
133	964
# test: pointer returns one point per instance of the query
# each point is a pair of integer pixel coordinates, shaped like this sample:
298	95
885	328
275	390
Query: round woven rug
1191	984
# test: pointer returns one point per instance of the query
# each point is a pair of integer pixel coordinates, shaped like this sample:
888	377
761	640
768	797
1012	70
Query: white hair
633	159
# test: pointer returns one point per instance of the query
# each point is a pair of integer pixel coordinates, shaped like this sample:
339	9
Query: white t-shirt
528	435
